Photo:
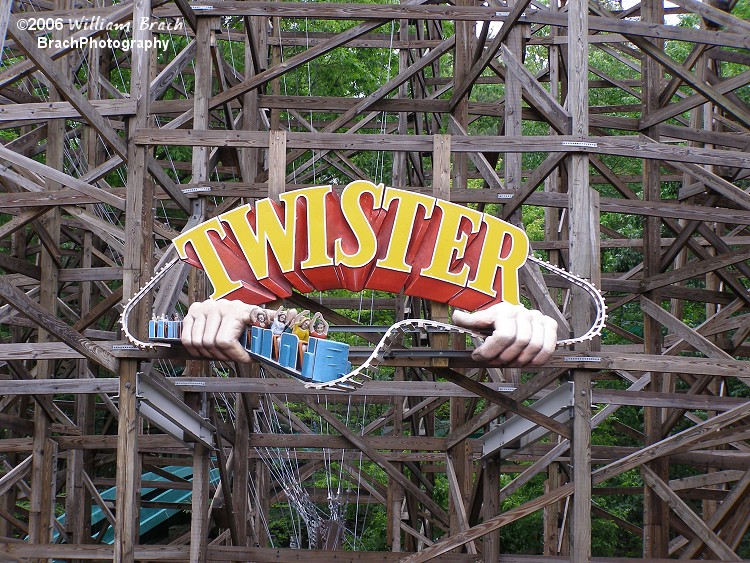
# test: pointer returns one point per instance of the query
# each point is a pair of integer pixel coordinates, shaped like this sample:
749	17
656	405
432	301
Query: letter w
270	234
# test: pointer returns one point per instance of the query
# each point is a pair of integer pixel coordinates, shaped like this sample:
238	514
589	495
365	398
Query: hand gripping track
356	377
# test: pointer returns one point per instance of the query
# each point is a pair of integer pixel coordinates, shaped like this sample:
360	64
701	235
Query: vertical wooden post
250	157
490	509
552	183
584	262
512	162
240	464
655	510
197	281
552	513
199	515
394	498
399	173
465	40
276	186
399	178
78	499
42	500
276	163
128	467
461	65
262	508
138	264
441	186
275	85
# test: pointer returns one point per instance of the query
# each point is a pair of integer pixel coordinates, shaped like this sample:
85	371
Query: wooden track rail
617	133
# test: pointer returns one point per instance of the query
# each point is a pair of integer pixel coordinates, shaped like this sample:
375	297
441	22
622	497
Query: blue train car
323	361
164	329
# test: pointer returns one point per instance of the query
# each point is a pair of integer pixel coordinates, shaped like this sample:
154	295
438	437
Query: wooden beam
500	399
267	75
697	525
57	176
30	309
539	98
378	458
695	268
600	475
620	146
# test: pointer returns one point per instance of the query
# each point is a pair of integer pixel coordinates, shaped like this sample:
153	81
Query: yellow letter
317	246
271	233
207	255
491	260
403	226
446	243
355	216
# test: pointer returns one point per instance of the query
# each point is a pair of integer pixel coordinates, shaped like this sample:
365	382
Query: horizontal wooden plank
323	10
560	359
292	388
338	442
620	146
666	400
90	274
38	351
220	553
59	386
327	10
63	110
65	196
91	442
601	361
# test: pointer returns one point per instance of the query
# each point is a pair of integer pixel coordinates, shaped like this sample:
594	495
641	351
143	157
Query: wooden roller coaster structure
619	134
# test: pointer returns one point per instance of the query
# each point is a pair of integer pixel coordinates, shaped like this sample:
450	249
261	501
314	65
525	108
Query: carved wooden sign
368	237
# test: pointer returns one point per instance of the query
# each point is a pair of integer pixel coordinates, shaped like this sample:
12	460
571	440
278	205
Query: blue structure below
149	517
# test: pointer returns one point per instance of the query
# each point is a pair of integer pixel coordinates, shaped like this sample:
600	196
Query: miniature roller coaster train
372	238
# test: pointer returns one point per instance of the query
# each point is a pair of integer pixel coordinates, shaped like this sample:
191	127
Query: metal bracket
161	403
586	144
518	433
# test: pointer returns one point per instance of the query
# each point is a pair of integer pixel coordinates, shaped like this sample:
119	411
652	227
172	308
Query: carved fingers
213	329
518	335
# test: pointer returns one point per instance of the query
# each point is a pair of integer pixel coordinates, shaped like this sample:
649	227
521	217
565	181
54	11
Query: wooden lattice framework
76	122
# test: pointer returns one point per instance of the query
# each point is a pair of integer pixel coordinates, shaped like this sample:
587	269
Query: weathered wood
708	217
87	111
502	400
456	493
695	269
621	146
542	101
30	309
723	87
669	400
688	516
64	179
219	553
62	110
378	458
271	73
